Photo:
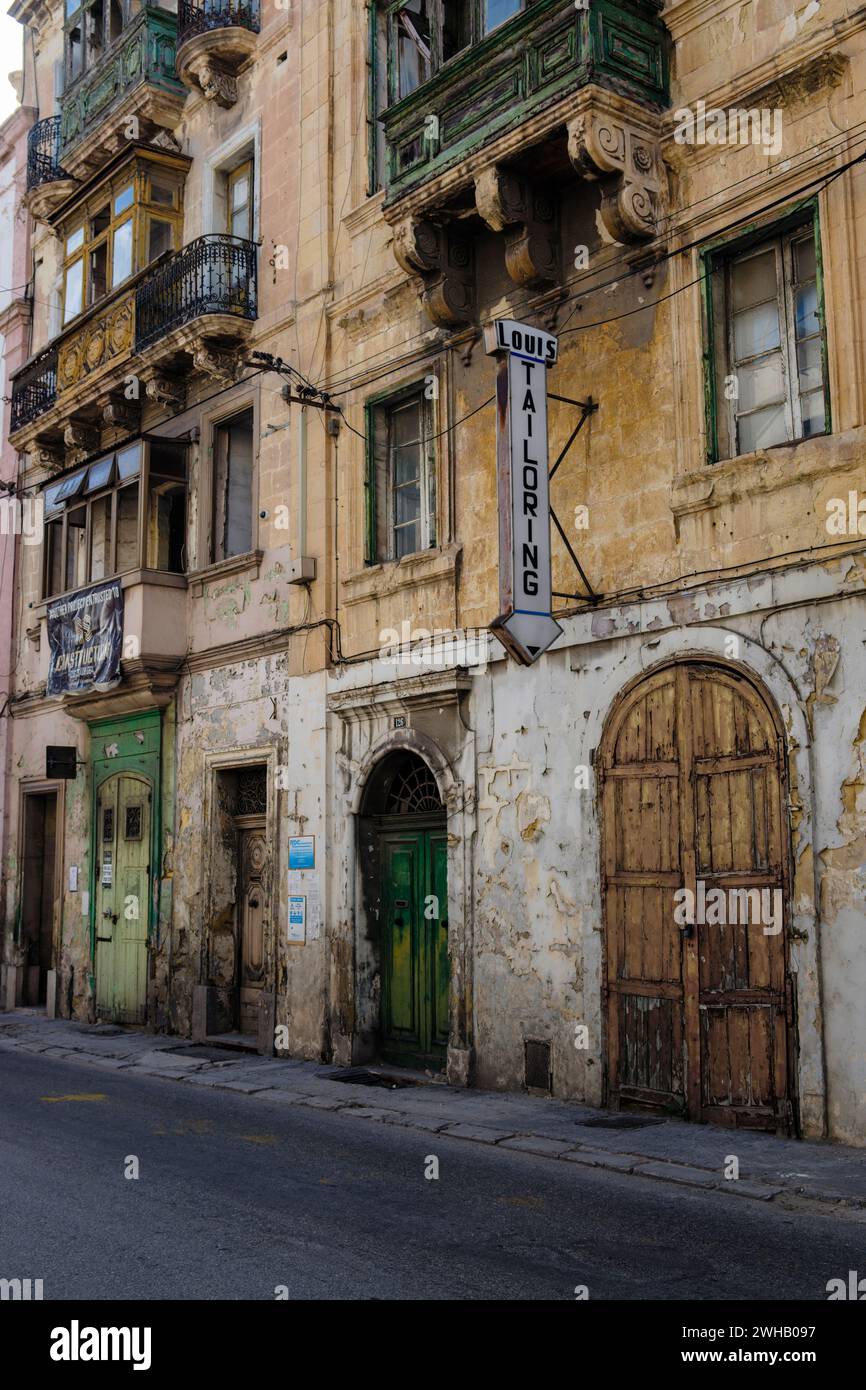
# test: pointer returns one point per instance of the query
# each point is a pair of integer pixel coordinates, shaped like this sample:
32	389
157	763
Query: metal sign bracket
587	408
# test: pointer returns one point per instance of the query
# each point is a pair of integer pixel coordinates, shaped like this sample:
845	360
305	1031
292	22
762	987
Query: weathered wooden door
692	775
123	842
415	968
253	920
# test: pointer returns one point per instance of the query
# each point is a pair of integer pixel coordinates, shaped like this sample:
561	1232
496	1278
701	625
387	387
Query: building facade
14	350
630	873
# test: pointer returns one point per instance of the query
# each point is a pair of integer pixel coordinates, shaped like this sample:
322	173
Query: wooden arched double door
699	1013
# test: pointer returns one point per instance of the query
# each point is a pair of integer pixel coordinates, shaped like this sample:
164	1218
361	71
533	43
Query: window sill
249	563
128	580
765	471
425	567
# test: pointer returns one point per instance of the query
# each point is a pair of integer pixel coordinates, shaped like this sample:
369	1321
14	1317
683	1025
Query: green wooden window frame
386	36
90	29
379	414
716	260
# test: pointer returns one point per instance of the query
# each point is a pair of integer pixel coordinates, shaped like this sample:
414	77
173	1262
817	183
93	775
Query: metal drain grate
208	1054
371	1078
620	1122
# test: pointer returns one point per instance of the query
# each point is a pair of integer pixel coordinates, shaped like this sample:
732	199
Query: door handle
112	917
688	930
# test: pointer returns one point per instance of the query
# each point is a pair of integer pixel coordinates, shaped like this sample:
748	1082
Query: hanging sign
85	640
524	626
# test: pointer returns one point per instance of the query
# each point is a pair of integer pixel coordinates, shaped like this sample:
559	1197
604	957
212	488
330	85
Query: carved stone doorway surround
366	734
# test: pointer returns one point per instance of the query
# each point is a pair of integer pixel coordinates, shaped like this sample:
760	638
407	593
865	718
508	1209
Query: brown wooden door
692	776
253	920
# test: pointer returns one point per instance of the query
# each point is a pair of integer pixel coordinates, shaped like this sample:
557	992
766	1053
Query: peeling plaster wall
253	711
524	880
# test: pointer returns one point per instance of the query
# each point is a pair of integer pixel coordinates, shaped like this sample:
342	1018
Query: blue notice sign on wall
302	852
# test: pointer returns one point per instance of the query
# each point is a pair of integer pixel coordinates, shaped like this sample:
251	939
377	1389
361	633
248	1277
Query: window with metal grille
252	792
132	828
769	355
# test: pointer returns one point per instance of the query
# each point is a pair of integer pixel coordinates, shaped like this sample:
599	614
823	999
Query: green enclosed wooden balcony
455	81
129	91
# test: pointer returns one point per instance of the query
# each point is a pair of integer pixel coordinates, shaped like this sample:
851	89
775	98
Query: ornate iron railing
43	153
214	274
34	389
215	14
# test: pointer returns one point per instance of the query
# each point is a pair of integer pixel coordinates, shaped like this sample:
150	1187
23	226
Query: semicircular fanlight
413	790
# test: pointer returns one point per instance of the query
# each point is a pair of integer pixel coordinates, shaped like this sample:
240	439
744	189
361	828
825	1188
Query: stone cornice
437	689
807	68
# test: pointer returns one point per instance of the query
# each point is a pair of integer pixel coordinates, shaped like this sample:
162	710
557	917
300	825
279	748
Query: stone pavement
667	1150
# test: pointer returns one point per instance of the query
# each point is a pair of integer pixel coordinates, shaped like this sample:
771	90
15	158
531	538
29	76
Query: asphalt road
237	1195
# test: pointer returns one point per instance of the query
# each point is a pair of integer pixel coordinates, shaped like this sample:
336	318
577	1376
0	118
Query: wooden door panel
650	1044
743	1066
401	869
123	830
253	919
437	942
647	818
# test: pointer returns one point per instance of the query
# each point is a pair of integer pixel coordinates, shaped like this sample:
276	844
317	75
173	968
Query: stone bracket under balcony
214	42
595	136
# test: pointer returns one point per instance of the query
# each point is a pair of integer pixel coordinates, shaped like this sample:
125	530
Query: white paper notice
305	883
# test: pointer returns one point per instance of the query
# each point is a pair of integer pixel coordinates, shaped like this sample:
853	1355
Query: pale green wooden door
123	823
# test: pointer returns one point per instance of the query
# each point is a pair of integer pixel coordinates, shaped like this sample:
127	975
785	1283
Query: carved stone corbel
215	84
510	203
445	261
225	366
49	458
161	389
626	161
119	413
80	440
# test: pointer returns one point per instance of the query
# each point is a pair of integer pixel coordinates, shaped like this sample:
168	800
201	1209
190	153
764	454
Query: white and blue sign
297	919
525	626
302	852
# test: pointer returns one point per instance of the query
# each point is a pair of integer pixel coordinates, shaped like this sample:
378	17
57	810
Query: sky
10	61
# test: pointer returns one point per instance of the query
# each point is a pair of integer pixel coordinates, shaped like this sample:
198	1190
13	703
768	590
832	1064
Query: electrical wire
341	386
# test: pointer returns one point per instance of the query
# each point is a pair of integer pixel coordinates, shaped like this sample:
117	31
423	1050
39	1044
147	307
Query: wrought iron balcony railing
34	389
214	274
215	14
43	153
